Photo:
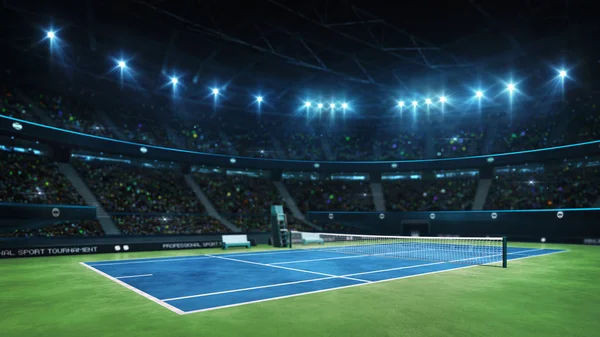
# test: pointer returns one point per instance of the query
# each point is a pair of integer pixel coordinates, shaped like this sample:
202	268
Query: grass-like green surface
554	295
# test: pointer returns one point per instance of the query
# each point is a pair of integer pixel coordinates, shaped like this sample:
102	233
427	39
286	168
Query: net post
504	252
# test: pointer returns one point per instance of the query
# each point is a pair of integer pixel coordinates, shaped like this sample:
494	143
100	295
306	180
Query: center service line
131	276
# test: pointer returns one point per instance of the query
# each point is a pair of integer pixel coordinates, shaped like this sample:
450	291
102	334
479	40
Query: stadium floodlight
215	91
307	104
479	94
443	99
401	104
344	105
320	105
428	101
50	34
174	80
510	87
415	103
122	64
259	99
562	73
332	105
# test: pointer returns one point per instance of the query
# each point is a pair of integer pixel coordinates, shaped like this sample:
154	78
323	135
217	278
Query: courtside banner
59	250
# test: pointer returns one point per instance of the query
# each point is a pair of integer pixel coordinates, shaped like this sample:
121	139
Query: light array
510	87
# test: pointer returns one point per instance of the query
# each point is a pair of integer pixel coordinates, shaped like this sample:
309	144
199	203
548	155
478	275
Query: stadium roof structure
366	53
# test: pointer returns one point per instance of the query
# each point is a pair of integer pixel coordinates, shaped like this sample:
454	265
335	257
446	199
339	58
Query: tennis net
463	250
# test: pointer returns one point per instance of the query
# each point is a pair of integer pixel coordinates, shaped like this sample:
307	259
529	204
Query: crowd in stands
519	133
302	145
145	201
467	141
68	113
137	189
79	228
14	107
274	137
139	124
239	194
337	228
295	224
349	146
326	195
253	223
400	145
567	188
33	179
134	191
143	224
444	194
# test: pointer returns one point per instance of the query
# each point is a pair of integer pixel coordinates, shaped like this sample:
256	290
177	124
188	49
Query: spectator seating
12	106
168	224
79	228
568	188
430	195
34	179
331	195
276	138
137	189
243	199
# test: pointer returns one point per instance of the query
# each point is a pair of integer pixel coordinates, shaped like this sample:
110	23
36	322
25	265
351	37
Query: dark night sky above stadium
281	48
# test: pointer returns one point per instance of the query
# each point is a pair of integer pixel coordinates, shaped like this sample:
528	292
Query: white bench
312	238
235	241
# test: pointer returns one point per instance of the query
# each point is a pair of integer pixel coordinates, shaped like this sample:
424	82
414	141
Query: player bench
235	241
308	238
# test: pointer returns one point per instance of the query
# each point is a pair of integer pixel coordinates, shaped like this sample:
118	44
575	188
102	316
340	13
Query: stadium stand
238	193
571	187
14	107
331	195
375	140
401	144
34	179
167	224
80	228
122	187
430	195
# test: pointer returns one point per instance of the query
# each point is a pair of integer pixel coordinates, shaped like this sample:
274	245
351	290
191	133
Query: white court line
150	261
246	289
132	276
343	257
180	312
351	286
198	257
324	259
433	263
136	290
287	268
191	257
525	257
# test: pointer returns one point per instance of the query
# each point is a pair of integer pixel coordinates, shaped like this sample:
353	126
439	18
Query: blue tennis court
197	283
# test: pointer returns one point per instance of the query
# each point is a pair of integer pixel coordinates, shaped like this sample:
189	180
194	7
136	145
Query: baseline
136	290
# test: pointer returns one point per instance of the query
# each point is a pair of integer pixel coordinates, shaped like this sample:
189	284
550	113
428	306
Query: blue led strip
307	161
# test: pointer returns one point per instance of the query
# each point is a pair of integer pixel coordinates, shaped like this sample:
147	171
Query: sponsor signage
102	248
